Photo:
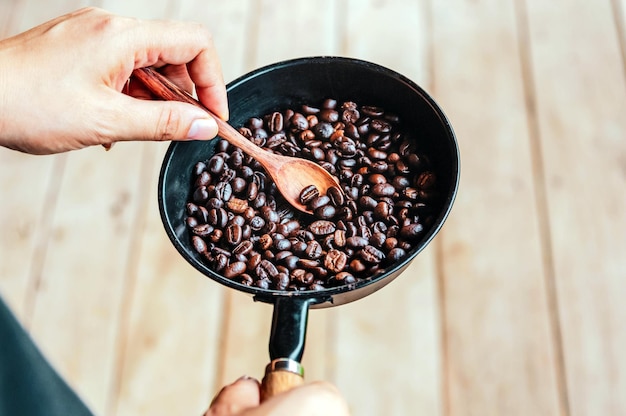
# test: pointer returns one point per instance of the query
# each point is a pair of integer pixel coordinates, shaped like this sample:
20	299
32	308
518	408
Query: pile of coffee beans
243	228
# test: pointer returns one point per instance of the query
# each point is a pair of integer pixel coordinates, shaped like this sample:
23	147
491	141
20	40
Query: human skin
62	83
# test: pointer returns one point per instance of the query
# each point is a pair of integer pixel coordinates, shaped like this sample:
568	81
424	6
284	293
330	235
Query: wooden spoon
291	175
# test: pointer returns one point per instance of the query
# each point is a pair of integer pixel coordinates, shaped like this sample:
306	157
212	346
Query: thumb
161	121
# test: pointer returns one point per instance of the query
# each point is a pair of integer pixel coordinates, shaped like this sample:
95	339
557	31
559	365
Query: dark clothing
29	386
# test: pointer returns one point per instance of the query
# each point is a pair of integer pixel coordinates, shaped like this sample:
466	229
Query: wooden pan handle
281	375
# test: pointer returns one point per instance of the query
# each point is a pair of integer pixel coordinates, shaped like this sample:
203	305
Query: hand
242	398
61	82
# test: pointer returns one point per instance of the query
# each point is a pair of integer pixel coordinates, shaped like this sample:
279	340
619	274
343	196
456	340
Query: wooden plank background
515	308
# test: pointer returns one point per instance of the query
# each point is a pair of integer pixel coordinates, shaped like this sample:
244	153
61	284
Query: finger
178	75
179	43
312	399
134	119
233	399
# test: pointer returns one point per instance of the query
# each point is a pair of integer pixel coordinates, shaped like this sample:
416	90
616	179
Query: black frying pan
290	84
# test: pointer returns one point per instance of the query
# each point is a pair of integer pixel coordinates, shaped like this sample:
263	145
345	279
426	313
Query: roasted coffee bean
335	196
299	122
204	179
380	125
275	122
357	266
245	279
281	281
263	284
328	115
201	194
319	201
218	217
308	194
313	249
266	269
372	111
411	231
383	189
371	254
291	261
390	243
202	230
378	239
325	212
214	203
308	263
367	202
339	238
345	278
216	236
382	210
356	241
233	234
191	222
395	255
221	261
236	205
386	198
282	244
238	185
322	227
302	276
199	168
253	261
426	180
223	191
257	223
269	214
243	248
234	269
199	244
288	228
335	261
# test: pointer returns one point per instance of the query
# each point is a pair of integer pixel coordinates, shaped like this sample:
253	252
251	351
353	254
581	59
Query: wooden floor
516	308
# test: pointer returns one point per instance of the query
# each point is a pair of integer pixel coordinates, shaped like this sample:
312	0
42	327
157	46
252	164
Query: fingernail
244	377
202	129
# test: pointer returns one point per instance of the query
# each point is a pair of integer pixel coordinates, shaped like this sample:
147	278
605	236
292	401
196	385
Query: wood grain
580	107
515	308
500	349
387	346
247	337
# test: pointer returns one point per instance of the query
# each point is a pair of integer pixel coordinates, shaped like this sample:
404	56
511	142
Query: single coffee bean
335	261
371	254
345	278
383	189
313	249
243	248
266	269
199	244
325	212
411	231
395	255
308	194
202	230
322	227
335	196
234	269
233	234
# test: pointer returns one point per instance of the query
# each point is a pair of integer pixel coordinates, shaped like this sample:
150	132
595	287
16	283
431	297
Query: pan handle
286	346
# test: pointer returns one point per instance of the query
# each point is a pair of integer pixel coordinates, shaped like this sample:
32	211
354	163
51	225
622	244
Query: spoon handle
167	90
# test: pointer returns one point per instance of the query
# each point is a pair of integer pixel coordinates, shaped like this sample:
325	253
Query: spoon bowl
290	174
